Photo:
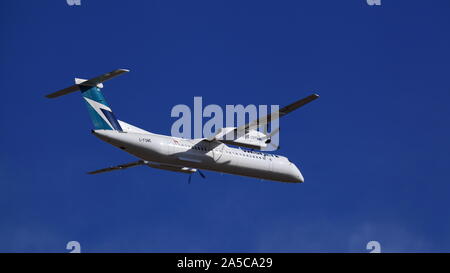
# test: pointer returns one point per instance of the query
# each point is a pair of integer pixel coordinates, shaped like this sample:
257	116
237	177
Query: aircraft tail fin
99	110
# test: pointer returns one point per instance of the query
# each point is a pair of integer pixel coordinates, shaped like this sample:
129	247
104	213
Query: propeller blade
273	133
201	174
269	138
275	146
189	179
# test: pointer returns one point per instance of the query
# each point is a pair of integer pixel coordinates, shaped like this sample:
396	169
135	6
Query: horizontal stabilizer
97	81
65	91
104	77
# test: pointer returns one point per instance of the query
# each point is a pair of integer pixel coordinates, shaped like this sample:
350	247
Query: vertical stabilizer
99	110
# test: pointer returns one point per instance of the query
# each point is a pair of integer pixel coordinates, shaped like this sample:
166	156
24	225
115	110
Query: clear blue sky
374	149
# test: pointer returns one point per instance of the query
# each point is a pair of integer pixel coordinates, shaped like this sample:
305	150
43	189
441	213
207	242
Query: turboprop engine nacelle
250	139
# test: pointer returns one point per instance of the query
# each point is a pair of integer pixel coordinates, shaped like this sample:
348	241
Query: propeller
269	137
276	147
199	172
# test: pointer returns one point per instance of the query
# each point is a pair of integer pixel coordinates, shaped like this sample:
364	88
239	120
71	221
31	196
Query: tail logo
103	117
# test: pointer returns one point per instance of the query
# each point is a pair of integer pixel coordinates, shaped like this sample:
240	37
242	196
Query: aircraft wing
276	115
155	165
241	130
120	167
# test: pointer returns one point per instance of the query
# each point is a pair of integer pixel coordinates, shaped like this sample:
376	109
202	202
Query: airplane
188	155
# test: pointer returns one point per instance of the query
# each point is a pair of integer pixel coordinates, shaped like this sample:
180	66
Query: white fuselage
203	154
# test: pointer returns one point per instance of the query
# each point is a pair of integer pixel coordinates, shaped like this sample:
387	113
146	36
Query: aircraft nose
298	175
